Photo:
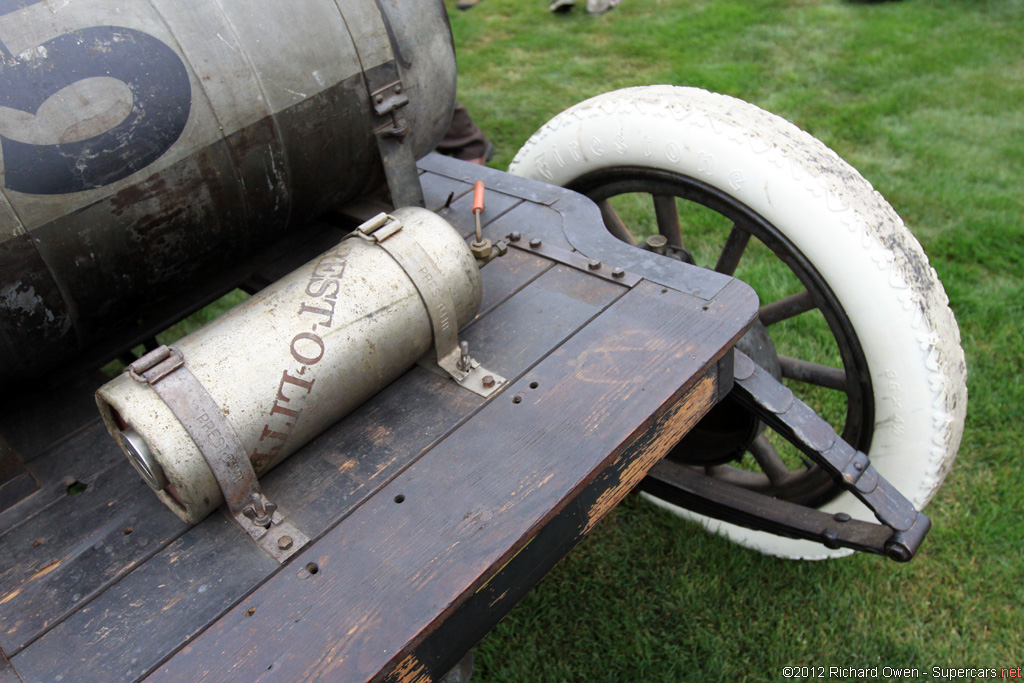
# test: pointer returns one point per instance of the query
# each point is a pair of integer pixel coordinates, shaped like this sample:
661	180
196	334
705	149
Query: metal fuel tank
292	360
148	147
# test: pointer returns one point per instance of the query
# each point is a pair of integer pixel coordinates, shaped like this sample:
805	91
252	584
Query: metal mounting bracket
164	369
452	356
901	528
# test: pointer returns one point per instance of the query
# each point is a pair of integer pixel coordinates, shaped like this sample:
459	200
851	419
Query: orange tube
478	196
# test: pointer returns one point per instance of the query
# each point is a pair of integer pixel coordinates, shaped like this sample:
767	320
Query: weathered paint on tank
146	146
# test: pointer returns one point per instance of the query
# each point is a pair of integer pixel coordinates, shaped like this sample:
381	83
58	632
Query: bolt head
285	542
488	381
535	243
618	272
515	236
594	264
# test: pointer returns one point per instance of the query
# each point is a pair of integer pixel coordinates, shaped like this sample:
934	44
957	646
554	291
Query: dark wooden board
480	612
40	421
80	458
507	275
61	560
437	189
7	672
405	559
153	610
532	221
16	482
447	170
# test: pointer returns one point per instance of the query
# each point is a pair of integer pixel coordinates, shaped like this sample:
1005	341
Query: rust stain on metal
670	429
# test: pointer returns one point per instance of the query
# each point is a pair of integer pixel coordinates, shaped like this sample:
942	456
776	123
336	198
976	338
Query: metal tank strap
165	371
387	97
452	356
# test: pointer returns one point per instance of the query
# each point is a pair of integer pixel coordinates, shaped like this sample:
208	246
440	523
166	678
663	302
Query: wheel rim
765	466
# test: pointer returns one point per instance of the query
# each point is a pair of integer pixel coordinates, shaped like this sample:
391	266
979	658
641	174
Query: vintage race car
444	375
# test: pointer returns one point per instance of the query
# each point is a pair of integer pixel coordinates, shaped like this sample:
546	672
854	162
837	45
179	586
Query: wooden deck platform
433	510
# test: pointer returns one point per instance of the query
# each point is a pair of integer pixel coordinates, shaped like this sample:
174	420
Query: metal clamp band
165	371
385	231
387	97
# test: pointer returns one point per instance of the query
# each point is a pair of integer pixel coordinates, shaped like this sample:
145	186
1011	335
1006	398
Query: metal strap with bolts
902	528
387	97
775	405
452	357
164	370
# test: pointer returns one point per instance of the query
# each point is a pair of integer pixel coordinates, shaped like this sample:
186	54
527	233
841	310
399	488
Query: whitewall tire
868	276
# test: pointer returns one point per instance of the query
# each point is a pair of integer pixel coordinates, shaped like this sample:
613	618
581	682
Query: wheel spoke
668	219
813	373
786	308
769	460
733	250
613	222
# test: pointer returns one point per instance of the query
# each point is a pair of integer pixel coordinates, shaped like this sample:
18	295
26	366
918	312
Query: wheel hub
725	433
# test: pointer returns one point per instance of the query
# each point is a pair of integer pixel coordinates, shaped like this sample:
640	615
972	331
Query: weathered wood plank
152	611
7	672
16	482
42	420
406	559
437	189
507	275
463	629
559	301
63	558
533	220
79	459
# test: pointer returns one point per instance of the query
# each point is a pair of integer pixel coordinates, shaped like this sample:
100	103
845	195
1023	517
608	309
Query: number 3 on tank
153	74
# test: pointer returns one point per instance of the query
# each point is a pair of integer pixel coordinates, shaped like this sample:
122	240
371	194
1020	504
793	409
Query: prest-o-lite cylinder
296	357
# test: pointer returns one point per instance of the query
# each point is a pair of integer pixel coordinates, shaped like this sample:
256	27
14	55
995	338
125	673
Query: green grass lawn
926	99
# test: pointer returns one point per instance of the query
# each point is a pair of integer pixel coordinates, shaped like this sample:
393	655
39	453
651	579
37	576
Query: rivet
841	517
380	99
657	243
